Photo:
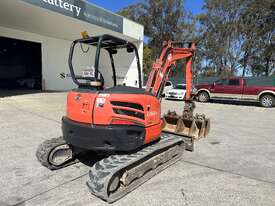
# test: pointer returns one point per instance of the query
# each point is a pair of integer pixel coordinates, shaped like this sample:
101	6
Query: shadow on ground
89	158
9	93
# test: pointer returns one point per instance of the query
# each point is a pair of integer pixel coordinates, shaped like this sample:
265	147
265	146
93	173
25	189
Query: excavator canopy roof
107	42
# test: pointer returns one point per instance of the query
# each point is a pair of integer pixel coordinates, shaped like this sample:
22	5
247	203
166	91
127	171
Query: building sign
83	11
64	5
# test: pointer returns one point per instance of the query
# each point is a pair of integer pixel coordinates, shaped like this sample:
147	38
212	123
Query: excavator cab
92	78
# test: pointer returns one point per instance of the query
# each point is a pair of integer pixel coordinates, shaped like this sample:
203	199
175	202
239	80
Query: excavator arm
187	124
170	54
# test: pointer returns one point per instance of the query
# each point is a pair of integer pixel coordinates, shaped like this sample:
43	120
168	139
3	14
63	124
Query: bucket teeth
196	126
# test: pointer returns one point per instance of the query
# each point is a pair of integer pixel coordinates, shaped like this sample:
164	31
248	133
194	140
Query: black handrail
113	67
104	42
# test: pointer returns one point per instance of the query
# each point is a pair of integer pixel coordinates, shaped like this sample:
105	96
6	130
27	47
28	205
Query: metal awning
24	16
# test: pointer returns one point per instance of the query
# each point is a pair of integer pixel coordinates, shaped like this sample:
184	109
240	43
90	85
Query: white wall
133	29
126	65
55	54
136	31
57	63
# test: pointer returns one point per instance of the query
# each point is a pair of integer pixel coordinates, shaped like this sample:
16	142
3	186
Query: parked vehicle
177	92
236	89
167	87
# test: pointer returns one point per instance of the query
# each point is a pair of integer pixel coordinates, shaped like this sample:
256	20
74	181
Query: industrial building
35	38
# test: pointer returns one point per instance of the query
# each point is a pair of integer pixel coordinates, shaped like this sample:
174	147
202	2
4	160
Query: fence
250	81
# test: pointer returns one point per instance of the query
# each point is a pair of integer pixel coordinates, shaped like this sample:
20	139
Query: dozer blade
196	127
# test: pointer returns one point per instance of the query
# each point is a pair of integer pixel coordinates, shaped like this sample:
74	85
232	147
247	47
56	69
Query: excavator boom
170	54
186	124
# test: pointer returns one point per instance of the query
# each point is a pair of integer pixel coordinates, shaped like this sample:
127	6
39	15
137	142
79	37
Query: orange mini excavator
124	123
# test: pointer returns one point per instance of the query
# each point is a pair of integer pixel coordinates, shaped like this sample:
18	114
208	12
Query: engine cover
119	105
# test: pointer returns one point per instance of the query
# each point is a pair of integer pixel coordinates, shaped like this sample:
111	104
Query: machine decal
152	113
77	97
104	95
89	72
100	102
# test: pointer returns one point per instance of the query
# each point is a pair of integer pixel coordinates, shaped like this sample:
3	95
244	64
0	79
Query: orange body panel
105	114
80	106
152	133
97	108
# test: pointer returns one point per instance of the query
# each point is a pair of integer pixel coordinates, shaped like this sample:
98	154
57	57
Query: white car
167	87
178	92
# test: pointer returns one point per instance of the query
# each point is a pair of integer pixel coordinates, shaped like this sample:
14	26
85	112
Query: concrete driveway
234	166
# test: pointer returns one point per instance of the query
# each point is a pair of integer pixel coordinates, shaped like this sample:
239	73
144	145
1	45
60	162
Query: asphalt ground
235	165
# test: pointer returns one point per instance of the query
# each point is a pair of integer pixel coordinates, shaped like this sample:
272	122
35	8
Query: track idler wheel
60	155
55	154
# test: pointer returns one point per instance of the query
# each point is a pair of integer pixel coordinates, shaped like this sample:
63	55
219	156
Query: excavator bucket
196	126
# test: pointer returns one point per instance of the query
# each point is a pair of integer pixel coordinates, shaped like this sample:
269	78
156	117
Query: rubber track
44	149
102	173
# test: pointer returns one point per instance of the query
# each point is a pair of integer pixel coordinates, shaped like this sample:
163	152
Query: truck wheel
203	97
267	100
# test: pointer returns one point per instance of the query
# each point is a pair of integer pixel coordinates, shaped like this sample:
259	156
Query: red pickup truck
236	89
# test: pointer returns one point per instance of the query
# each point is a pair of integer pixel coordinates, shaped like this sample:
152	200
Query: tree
162	19
258	23
234	35
221	37
147	59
